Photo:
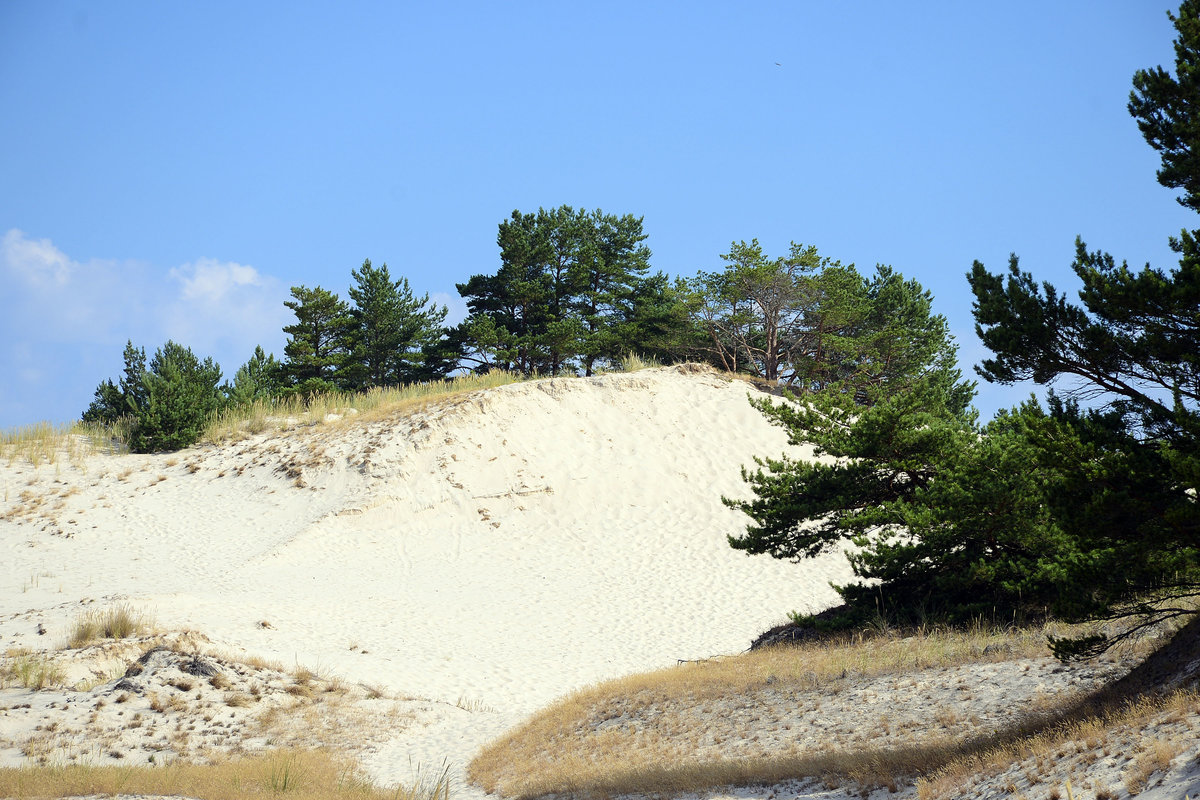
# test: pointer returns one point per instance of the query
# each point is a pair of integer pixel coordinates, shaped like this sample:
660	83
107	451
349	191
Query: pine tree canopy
1086	509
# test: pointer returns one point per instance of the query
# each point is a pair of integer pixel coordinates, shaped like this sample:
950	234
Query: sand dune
490	554
470	562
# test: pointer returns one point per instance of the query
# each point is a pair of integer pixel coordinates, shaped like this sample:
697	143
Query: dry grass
118	622
632	362
645	733
239	423
30	671
563	747
1081	737
44	443
299	774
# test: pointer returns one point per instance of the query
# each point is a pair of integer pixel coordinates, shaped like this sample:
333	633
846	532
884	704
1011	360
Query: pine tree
181	397
320	341
125	399
1130	465
608	273
257	379
1164	106
571	294
394	331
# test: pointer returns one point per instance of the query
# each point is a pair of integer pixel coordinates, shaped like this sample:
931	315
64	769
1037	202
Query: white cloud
66	321
209	281
224	309
38	262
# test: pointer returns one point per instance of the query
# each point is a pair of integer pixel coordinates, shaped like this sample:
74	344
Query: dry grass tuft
118	622
1080	733
30	671
298	774
632	362
44	443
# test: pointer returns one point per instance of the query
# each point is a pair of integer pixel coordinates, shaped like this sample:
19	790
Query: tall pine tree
319	342
394	332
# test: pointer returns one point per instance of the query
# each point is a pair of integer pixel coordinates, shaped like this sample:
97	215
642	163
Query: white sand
483	559
493	556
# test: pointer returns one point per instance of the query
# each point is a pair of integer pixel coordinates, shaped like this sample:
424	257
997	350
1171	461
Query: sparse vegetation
44	443
632	362
1080	738
301	774
695	727
118	622
238	422
31	671
603	739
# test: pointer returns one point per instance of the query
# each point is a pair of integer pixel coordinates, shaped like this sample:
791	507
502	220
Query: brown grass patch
568	747
1083	735
646	733
240	422
300	774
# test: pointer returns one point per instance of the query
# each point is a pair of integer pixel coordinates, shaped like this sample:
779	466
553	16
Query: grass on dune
29	670
1081	739
240	422
562	749
296	774
45	443
117	622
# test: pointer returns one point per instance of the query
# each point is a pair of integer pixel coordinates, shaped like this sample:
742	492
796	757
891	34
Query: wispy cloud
37	262
225	307
66	320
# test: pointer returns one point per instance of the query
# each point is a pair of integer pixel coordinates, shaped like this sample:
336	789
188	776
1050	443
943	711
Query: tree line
573	294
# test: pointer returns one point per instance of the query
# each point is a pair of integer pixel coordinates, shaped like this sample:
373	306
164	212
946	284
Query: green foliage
571	294
181	396
1129	467
255	381
395	335
811	323
900	482
319	341
1086	514
753	310
1164	106
165	405
114	402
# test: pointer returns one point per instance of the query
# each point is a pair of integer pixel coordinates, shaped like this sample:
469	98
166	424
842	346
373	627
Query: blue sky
169	170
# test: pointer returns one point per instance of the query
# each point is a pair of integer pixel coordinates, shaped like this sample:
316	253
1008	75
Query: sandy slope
491	555
481	558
